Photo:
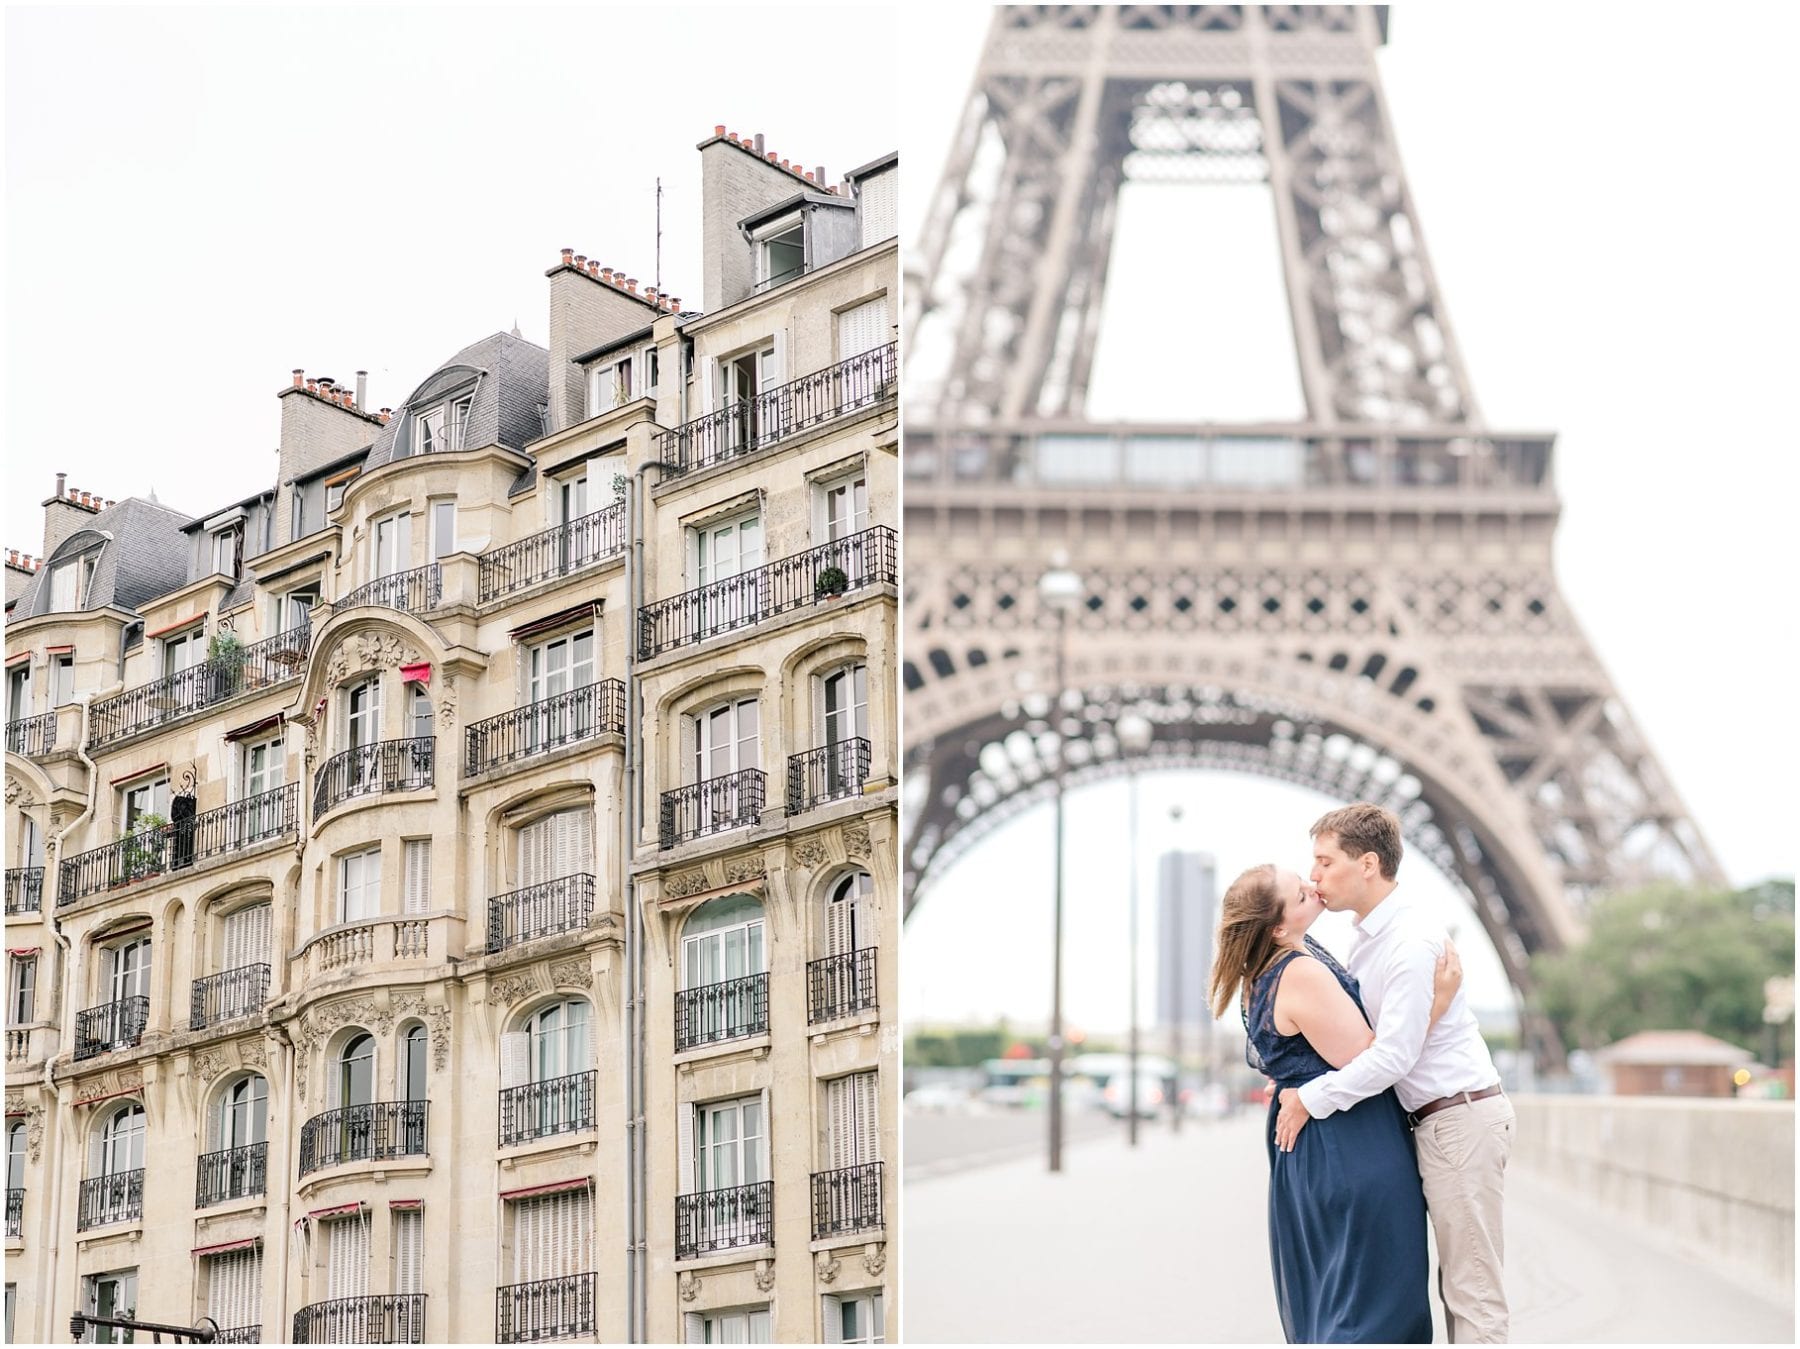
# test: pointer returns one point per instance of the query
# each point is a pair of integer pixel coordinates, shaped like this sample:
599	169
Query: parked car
1149	1095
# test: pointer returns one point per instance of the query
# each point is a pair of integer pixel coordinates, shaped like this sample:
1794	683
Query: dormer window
442	430
611	386
780	251
71	583
228	551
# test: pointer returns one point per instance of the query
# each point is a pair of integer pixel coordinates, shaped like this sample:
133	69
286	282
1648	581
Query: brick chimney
20	568
737	178
590	305
65	511
318	424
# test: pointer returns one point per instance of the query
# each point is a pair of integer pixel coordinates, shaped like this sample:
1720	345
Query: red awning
17	657
335	1209
23	950
406	1203
180	623
224	1246
57	650
573	614
137	773
555	1187
416	674
245	732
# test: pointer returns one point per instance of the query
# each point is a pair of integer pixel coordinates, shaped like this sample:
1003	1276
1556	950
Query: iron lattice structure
1362	602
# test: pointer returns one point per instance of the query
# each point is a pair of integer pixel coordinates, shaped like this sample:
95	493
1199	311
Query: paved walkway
1170	1244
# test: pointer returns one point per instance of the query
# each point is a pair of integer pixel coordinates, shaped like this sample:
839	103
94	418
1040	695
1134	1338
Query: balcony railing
15	1213
839	985
562	905
827	773
555	552
722	1220
561	719
233	1173
561	1105
118	1198
24	889
548	1309
742	428
741	601
723	1011
368	770
226	829
414	592
384	1318
261	665
110	1026
239	1335
846	1200
19	1045
363	1133
32	736
712	806
227	996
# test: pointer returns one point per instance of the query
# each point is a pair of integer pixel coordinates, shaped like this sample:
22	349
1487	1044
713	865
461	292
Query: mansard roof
142	554
508	381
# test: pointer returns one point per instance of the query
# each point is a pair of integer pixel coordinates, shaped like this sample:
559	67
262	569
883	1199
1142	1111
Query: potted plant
225	653
144	843
832	583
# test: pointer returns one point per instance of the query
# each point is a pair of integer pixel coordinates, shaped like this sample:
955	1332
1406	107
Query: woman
1346	1211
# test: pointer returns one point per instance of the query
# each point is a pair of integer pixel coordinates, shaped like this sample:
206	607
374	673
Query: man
1445	1079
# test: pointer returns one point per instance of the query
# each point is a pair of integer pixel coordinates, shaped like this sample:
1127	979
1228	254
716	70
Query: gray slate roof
514	383
143	555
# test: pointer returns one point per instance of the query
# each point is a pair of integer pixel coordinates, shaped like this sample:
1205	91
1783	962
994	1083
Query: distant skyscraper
1186	891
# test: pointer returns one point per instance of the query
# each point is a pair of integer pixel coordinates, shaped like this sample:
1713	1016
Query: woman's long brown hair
1248	916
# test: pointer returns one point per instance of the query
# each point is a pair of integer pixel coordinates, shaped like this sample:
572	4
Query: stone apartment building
452	894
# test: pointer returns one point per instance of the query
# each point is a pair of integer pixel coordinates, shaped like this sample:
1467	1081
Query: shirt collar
1382	916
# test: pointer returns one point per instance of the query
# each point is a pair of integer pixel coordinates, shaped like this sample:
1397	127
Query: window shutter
348	1270
837	926
515	1058
256	950
707	386
418	875
685	1178
534	848
524	1241
409	1250
234	1288
567	837
834	1319
839	1103
776	375
693	1328
766	1142
868	1118
403	543
232	956
581	1232
879	216
880	1326
863	328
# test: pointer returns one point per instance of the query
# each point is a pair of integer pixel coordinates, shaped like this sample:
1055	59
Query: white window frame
126	968
561	664
362	726
729	1158
716	955
359	885
240	1118
443	429
722	745
718	1327
841	505
866	1312
569	494
18	692
227	550
148	796
21	990
62	680
614	384
118	1148
294	608
182	650
789	230
124	1302
390	545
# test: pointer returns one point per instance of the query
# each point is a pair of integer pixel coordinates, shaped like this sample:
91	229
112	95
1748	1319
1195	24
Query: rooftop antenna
659	236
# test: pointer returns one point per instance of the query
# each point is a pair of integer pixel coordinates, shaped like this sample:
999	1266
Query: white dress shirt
1394	958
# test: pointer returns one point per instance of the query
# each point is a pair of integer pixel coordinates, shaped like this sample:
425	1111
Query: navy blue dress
1346	1211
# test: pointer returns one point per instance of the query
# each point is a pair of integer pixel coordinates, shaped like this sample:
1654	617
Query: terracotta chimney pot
719	130
567	254
299	379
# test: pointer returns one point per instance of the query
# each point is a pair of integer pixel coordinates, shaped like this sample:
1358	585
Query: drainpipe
69	981
637	1174
291	1054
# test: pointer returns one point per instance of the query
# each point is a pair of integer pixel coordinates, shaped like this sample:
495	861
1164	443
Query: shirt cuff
1313	1097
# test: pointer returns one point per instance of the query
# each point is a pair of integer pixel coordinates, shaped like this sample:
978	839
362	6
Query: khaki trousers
1462	1153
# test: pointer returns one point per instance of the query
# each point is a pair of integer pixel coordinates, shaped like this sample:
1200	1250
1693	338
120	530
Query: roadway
1169	1243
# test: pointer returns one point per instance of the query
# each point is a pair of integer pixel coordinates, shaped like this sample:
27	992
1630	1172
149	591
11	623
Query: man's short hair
1363	828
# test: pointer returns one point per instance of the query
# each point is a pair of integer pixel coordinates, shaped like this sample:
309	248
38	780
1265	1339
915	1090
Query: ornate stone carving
446	709
809	852
875	1259
17	793
572	974
741	869
689	1283
828	1267
208	1064
509	988
856	841
254	1054
687	883
368	651
440	1036
765	1275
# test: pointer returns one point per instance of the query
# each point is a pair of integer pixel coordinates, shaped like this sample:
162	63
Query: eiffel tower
1362	601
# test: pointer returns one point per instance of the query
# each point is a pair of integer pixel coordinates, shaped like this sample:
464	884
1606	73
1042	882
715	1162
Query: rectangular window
418	712
852	1121
62	681
863	328
31	843
234	1288
730	1144
362	721
877	200
183	651
780	251
854	1320
126	970
418	875
444	429
265	766
244	937
443	529
559	665
409	1250
110	1296
553	1236
611	385
556	846
728	548
746	1325
725	740
296	608
843	507
11	1297
393	545
347	1257
359	886
65	587
21	991
227	552
18	692
569	496
146	798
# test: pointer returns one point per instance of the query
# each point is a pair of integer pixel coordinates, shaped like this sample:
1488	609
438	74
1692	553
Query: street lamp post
1060	589
1178	963
1134	732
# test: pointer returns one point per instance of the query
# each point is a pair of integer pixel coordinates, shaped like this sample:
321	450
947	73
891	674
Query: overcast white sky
1606	209
200	200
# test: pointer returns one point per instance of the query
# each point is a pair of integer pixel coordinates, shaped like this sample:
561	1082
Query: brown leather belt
1461	1098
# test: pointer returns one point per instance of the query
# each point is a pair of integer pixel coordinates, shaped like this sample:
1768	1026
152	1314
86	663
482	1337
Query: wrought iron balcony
555	552
384	1318
561	1105
755	423
110	1026
827	773
274	660
562	905
537	728
368	770
547	1309
227	996
864	558
712	806
239	1335
722	1220
233	1173
846	1200
15	1213
118	1198
24	889
32	736
413	592
363	1133
226	829
728	1010
839	985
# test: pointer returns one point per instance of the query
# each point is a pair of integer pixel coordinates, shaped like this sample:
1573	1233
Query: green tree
1670	958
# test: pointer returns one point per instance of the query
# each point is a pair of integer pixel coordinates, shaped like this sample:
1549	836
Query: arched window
241	1118
412	1063
121	1142
547	1073
849	924
15	1156
725	988
355	1080
560	1040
